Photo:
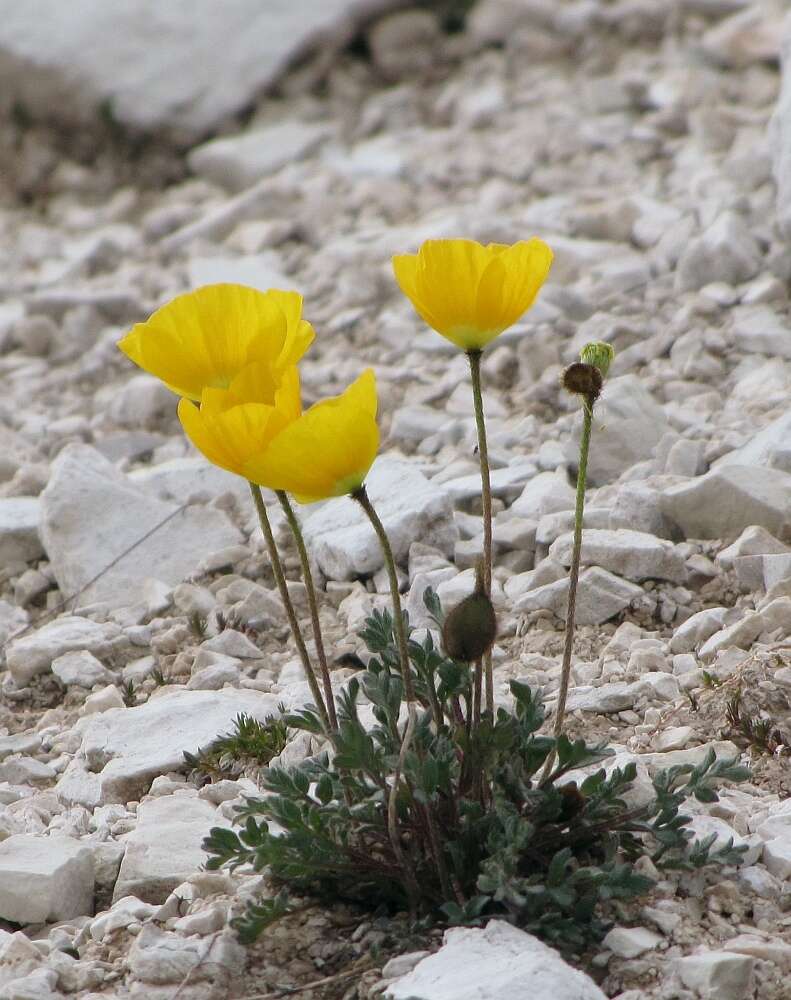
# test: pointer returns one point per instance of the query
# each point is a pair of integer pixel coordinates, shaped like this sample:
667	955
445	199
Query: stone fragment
725	251
629	425
740	635
496	962
69	64
342	541
753	541
544	494
777	856
768	447
232	643
159	957
236	162
35	652
717	975
92	513
760	330
600	596
633	554
629	942
613	697
44	879
727	500
697	629
19	957
124	749
19	530
165	847
81	668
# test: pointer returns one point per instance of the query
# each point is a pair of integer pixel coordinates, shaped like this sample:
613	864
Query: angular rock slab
34	652
45	879
727	500
633	554
600	596
124	749
92	513
498	962
184	65
165	848
413	509
19	530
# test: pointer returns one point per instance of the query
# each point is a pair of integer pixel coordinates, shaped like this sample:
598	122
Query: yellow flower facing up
204	338
328	451
470	293
233	426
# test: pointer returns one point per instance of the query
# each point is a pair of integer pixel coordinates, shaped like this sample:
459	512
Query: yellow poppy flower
470	293
233	426
206	337
328	451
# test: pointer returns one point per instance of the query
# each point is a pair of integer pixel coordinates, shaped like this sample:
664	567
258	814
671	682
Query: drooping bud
599	354
471	627
583	380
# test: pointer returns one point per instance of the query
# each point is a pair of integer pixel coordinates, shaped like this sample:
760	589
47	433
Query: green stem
574	573
486	496
296	531
282	586
400	629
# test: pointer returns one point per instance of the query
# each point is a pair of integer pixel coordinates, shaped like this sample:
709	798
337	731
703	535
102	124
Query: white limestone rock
697	629
160	957
725	251
45	879
629	942
67	63
497	962
768	447
717	975
91	513
600	596
632	554
124	749
238	161
629	425
35	652
753	541
758	329
727	500
343	543
82	668
165	847
545	493
20	540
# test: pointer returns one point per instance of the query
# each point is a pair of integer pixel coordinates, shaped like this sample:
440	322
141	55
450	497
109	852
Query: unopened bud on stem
599	354
471	627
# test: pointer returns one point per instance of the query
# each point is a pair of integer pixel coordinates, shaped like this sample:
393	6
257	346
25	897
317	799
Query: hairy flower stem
307	575
400	629
282	586
486	496
574	573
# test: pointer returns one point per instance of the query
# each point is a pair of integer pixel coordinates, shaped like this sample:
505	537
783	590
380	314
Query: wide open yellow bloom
203	339
234	426
328	451
470	293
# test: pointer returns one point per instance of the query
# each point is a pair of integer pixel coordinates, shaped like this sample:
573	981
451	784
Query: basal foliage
471	831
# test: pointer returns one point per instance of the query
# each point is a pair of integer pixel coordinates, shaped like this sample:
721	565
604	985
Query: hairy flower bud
599	354
471	627
583	380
